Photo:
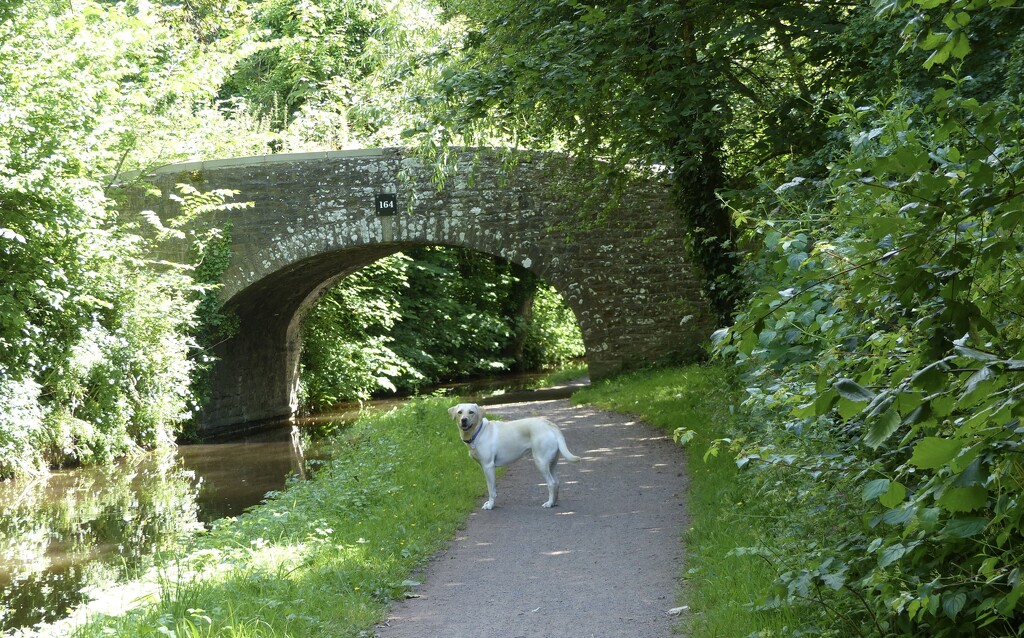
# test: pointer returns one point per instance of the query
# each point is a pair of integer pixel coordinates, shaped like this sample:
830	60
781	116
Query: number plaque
387	204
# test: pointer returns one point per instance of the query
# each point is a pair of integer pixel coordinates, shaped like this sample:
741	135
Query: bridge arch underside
315	220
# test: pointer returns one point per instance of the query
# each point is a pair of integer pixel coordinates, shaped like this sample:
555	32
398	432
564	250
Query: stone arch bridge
317	217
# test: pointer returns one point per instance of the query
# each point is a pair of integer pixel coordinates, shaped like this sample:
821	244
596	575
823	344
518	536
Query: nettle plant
897	327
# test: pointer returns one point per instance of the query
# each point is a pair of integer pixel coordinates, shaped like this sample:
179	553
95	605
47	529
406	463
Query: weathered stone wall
314	219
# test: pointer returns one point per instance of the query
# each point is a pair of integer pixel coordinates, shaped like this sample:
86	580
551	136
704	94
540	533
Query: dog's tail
564	449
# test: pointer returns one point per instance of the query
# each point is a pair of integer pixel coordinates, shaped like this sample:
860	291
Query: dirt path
604	563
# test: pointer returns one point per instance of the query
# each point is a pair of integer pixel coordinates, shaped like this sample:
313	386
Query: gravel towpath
605	562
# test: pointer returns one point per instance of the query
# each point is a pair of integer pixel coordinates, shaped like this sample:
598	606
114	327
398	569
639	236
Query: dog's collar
479	429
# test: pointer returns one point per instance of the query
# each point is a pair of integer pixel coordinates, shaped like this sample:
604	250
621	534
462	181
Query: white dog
497	443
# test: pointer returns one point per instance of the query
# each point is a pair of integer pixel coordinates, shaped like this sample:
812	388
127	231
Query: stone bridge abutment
317	217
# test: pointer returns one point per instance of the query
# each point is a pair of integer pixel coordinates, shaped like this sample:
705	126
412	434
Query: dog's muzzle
466	425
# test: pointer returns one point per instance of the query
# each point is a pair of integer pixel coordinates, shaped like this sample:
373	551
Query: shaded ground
603	563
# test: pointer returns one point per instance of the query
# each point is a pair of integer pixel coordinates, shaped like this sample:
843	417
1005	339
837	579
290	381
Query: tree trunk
709	227
520	301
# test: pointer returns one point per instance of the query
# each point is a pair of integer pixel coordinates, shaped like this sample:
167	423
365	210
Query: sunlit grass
323	557
720	586
562	376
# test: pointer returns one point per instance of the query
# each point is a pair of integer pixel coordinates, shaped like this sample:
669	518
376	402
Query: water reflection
86	528
79	529
236	475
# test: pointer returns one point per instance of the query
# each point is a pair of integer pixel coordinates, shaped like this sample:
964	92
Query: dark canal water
78	530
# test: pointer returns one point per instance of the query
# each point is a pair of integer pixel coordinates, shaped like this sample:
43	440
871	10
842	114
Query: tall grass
724	578
322	557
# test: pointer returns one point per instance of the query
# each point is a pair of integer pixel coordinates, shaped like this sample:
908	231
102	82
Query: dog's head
466	415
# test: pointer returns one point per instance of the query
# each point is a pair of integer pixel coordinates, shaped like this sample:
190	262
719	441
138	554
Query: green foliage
428	316
335	74
458	315
95	339
554	335
98	345
307	48
713	92
347	352
871	153
209	256
888	337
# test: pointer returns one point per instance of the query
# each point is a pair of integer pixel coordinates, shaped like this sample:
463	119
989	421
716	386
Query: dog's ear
452	410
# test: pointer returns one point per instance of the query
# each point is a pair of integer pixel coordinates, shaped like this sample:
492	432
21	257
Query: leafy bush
554	336
346	351
887	358
95	339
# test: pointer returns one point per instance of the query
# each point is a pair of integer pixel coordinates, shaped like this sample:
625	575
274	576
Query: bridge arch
318	217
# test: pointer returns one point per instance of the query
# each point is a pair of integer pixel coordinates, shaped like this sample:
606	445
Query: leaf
852	391
986	373
932	377
824	402
683	436
961	46
978	387
796	260
882	427
933	452
898	515
805	410
720	336
953	603
971	353
834	580
848	409
880	404
748	341
892	554
938	57
933	40
874	489
894	495
964	499
965	527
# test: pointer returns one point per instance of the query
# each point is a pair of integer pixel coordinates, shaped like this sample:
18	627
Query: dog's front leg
492	491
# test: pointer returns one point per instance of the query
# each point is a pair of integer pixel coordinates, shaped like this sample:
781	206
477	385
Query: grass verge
563	375
725	579
323	557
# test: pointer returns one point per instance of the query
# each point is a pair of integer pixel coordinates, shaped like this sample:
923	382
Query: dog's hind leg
547	470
